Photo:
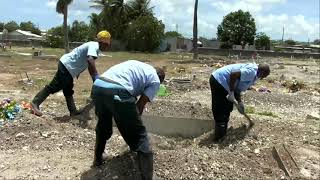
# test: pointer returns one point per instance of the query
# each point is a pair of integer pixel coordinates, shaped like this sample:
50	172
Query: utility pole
195	31
282	34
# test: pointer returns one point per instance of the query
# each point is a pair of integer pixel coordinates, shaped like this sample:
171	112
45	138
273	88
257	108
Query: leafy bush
145	34
226	45
262	41
238	28
55	37
294	85
163	91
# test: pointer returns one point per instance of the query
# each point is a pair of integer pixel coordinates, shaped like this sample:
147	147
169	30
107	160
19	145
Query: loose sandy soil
56	147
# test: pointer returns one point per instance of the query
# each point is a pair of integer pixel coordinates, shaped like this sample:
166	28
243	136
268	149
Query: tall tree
262	41
172	34
290	42
117	14
11	26
79	32
108	18
54	37
316	41
139	8
237	28
145	34
29	26
195	30
1	26
95	25
62	8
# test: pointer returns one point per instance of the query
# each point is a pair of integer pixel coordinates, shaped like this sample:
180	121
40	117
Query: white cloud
253	6
78	10
294	26
210	15
174	13
76	5
51	3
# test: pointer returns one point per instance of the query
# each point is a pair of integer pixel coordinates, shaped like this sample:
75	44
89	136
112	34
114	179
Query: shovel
251	123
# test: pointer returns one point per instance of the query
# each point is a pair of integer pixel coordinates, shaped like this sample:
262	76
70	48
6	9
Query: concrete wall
116	45
174	44
246	47
212	44
249	53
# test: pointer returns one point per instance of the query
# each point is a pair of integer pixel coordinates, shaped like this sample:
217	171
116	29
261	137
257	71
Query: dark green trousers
120	105
62	80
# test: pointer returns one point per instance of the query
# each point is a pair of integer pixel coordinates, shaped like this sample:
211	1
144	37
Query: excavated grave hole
177	127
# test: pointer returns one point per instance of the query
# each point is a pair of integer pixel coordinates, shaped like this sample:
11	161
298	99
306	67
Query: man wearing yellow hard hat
69	67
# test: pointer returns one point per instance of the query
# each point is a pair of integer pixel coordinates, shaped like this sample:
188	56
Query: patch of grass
249	110
267	113
40	82
163	91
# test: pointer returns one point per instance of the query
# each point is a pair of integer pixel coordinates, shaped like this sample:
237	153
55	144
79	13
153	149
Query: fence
249	53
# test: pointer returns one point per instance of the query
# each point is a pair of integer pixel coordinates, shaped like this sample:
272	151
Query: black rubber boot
219	132
145	163
71	106
98	152
38	99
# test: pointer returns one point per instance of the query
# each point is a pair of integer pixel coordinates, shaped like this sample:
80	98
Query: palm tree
139	8
100	4
114	15
117	14
95	21
195	31
62	8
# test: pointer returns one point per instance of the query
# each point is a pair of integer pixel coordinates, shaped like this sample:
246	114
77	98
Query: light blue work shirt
136	77
76	61
247	78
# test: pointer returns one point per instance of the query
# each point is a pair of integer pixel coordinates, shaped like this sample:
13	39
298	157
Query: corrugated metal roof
28	33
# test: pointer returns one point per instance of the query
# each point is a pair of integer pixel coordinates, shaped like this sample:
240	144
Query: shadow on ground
119	167
82	119
233	136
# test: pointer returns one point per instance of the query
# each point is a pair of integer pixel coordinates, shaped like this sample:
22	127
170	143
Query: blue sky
300	18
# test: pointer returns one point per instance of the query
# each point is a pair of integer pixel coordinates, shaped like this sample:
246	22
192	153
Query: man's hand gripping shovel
251	123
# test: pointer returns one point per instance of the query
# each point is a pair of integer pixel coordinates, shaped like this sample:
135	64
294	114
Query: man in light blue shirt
115	96
69	67
226	85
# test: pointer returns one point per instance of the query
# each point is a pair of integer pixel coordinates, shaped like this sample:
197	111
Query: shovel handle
251	123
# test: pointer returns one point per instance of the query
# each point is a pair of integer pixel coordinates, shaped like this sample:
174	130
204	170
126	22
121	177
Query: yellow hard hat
103	36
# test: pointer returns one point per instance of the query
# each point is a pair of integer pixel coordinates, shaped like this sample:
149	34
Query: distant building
212	43
315	48
295	49
20	37
174	44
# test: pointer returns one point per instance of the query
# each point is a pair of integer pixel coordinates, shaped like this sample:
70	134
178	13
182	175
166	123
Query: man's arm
233	78
237	95
92	68
143	100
